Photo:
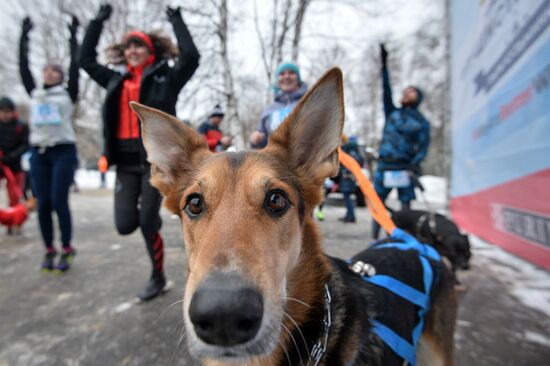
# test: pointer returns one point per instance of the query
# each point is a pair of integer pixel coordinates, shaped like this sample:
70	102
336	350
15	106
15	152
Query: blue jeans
350	207
52	173
406	194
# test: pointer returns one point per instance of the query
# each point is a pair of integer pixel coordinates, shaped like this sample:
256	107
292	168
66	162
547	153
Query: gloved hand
173	12
415	169
27	25
383	54
73	26
104	12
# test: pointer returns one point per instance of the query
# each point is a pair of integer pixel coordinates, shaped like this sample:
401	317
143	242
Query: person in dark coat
14	142
149	78
405	142
210	129
347	181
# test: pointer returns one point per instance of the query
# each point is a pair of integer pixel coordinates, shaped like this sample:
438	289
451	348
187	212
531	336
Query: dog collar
320	347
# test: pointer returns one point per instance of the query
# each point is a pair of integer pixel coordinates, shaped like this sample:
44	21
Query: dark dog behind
438	231
260	291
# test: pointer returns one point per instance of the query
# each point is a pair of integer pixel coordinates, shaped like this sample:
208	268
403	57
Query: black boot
153	288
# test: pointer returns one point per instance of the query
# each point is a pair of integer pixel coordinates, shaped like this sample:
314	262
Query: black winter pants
137	204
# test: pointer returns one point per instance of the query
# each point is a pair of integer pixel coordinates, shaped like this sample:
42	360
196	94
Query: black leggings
137	204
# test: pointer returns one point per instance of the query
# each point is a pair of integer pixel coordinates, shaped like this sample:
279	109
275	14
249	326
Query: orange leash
374	203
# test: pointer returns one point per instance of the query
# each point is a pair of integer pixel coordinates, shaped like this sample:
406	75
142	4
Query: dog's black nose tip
225	312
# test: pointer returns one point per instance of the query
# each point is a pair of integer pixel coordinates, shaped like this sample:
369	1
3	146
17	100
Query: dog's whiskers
182	334
299	330
176	348
284	349
294	341
298	301
168	308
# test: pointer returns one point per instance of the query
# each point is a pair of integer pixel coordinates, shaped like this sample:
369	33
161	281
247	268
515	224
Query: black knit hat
6	104
217	111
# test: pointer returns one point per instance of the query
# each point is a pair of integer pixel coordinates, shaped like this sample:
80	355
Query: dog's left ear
311	134
173	148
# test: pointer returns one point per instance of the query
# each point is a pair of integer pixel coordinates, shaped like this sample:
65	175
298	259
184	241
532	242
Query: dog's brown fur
281	256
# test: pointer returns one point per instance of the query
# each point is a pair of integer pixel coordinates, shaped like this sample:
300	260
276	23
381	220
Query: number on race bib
45	114
396	179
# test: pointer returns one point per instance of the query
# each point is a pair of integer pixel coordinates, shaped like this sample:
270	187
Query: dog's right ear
311	134
173	148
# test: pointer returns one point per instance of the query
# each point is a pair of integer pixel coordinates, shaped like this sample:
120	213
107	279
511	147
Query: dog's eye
194	205
276	203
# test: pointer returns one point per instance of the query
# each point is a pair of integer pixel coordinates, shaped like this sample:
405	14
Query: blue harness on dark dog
398	344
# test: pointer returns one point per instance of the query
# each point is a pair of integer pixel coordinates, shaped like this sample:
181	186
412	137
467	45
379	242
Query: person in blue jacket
405	142
290	88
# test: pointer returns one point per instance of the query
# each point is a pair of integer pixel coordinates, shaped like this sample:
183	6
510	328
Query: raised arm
88	55
387	93
26	76
72	85
188	60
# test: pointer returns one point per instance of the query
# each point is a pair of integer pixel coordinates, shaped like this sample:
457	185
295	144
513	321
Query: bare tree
282	39
298	24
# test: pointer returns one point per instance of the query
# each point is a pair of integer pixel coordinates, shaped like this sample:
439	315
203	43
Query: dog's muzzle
225	310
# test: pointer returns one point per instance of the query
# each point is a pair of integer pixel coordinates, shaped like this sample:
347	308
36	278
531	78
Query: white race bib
396	178
45	114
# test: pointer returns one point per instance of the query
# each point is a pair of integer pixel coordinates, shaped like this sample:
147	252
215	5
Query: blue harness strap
399	288
398	344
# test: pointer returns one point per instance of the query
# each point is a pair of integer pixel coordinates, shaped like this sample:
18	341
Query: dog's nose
226	311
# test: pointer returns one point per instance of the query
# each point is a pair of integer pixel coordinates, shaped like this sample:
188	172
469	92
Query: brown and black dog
260	290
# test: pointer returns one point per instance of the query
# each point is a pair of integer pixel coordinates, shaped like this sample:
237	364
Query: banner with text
500	59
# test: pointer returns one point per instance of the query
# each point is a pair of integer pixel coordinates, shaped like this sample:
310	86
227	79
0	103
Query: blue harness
398	344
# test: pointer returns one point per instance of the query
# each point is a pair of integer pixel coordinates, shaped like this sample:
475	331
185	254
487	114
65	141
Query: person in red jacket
152	71
210	129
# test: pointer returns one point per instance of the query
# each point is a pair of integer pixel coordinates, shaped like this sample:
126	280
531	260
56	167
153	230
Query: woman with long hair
53	144
146	76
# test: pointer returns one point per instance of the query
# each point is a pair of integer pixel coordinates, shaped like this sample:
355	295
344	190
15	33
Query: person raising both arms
147	77
53	144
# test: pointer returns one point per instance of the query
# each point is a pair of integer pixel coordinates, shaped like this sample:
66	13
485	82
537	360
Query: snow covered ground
90	179
525	281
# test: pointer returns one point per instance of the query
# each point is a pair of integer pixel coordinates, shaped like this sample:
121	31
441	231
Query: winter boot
153	288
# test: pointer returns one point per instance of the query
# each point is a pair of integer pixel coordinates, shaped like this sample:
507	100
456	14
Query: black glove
383	54
27	25
171	13
104	12
73	26
415	169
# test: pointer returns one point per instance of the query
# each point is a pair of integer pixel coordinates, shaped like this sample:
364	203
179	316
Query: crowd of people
148	68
